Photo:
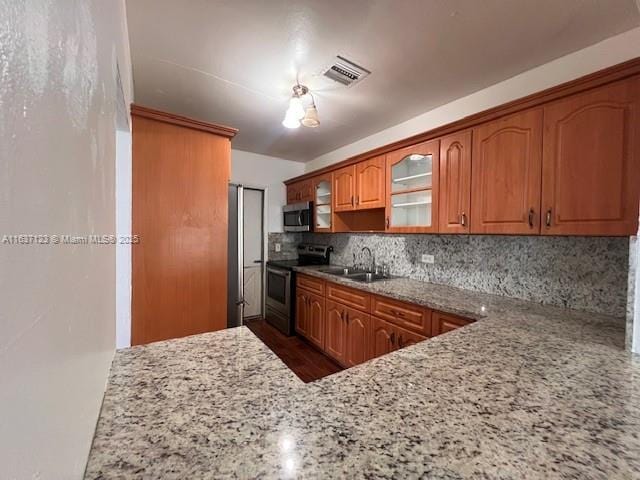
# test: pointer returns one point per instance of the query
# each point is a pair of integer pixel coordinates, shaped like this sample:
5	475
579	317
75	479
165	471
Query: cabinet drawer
349	297
445	322
310	284
406	315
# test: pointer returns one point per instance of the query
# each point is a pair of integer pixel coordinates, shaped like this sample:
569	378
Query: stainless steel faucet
373	258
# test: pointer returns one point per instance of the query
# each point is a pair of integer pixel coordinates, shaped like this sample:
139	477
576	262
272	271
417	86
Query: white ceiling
234	61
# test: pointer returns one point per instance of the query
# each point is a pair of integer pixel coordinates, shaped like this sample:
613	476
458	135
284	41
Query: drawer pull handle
548	218
463	219
392	338
531	214
400	341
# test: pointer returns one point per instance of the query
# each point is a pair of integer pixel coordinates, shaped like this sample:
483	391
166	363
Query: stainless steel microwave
298	217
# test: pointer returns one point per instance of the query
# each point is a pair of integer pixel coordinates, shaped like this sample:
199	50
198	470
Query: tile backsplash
584	273
288	243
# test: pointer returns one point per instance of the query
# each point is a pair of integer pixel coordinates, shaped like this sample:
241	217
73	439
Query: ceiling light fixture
296	113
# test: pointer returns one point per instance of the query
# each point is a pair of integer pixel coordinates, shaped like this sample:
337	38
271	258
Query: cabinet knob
531	214
548	219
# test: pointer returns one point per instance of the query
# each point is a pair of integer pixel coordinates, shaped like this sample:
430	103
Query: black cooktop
286	264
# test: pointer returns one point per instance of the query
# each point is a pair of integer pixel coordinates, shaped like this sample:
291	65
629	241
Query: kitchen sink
366	277
352	273
340	271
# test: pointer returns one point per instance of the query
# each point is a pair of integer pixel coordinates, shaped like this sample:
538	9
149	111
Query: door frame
265	244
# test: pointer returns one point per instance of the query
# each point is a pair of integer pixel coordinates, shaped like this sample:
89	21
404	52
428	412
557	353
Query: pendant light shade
296	113
291	120
295	108
311	117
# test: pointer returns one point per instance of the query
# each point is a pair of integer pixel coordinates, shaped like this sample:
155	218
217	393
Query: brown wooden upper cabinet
455	183
323	209
344	189
300	192
505	175
590	167
370	183
360	186
412	188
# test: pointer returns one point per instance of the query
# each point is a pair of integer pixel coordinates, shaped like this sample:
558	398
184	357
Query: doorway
247	251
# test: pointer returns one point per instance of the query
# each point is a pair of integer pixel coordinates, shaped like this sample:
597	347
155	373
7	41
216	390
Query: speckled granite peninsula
529	391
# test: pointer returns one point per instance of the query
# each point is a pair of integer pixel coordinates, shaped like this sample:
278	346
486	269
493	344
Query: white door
253	240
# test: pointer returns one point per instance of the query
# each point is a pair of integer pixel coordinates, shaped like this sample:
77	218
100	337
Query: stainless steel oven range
281	285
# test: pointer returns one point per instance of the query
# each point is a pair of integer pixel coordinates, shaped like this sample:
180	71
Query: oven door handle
280	273
300	218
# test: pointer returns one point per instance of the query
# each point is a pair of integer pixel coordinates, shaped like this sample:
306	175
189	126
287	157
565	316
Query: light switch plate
278	247
426	258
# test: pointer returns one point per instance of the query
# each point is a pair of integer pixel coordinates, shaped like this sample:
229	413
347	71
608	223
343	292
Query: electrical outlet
427	258
278	247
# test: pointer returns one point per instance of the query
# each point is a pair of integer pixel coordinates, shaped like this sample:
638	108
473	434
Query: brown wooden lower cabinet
302	307
347	334
310	317
377	326
357	332
335	344
387	337
445	322
382	337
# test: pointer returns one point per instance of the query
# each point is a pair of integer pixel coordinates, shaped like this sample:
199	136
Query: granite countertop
528	392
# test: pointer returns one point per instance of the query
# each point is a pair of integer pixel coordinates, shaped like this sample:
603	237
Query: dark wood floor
304	360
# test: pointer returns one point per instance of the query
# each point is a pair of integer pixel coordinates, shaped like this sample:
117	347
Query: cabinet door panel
591	165
301	313
370	180
412	183
455	183
306	191
344	185
407	338
322	209
358	333
382	338
506	173
335	342
292	193
316	320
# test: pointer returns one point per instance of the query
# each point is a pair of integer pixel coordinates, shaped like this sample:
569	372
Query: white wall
57	168
123	229
596	57
264	171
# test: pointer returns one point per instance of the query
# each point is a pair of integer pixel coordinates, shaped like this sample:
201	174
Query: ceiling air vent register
345	72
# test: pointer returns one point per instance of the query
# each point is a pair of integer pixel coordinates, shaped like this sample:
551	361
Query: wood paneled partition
181	172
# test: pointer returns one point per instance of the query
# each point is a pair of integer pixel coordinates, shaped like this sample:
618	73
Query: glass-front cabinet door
323	211
412	175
